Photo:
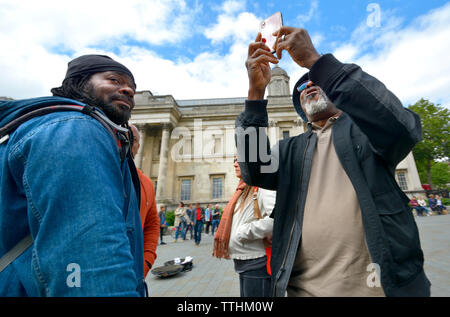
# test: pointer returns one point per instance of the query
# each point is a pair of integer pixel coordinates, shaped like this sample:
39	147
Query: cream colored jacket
247	233
180	212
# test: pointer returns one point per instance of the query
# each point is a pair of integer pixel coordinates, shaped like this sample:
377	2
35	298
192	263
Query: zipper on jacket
282	269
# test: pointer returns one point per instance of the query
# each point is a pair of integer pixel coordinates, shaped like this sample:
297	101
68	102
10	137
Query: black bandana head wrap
91	64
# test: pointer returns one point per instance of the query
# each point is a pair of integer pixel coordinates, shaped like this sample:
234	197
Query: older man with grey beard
342	225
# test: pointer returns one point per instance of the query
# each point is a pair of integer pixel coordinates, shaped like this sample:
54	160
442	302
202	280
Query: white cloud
346	53
233	24
305	18
412	61
233	6
39	37
209	75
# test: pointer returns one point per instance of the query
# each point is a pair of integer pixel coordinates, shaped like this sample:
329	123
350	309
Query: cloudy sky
196	49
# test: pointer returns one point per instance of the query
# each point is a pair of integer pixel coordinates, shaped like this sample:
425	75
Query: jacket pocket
389	203
401	236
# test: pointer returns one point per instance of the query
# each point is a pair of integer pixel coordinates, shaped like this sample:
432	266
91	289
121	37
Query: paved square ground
211	277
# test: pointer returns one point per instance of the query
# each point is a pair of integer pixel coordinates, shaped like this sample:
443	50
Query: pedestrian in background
162	222
199	217
208	218
180	221
215	219
190	222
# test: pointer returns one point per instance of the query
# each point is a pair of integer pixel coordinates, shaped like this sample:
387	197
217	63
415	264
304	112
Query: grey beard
313	107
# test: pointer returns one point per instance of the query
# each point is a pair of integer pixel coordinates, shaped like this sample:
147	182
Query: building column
273	132
163	160
138	158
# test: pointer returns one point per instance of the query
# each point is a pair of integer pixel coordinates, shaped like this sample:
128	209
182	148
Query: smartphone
268	26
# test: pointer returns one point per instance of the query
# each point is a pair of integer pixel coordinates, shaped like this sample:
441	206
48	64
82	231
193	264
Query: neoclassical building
188	147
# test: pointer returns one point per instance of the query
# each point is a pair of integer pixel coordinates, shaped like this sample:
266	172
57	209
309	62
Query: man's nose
127	90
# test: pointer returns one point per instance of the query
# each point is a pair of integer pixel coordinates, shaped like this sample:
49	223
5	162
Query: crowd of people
71	197
191	220
423	208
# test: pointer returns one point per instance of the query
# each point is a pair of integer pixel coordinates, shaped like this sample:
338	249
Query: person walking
190	222
199	217
208	218
162	223
215	219
180	221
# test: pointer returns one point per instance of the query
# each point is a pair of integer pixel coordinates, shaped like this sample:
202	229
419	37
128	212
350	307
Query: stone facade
188	147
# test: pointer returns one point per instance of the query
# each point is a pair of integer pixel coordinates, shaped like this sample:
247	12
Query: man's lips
124	102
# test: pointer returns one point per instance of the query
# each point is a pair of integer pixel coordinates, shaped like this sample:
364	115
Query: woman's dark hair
182	204
74	88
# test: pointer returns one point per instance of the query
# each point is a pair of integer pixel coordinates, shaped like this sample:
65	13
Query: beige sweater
333	259
247	233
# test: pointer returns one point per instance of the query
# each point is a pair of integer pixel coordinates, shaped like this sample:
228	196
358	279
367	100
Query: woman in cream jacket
251	229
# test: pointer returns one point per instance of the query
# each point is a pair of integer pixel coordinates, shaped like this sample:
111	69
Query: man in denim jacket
63	181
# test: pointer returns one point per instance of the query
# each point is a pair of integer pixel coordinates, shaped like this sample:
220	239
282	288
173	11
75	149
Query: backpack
118	133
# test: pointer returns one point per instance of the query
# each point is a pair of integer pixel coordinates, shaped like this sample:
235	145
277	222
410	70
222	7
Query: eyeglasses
302	87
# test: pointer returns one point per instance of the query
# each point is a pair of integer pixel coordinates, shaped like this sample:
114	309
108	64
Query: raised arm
392	129
259	166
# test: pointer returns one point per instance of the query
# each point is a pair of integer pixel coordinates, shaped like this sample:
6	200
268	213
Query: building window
186	189
155	184
285	134
217	187
218	148
401	177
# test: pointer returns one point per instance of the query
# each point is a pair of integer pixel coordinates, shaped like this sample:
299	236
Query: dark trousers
208	225
190	228
198	231
161	232
215	225
255	283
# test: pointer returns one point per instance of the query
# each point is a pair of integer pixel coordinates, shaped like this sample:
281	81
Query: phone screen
268	26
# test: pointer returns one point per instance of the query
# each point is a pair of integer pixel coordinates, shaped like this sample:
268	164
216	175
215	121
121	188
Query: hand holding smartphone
269	26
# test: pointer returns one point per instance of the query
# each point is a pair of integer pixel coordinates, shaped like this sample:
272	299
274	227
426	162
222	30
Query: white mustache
313	107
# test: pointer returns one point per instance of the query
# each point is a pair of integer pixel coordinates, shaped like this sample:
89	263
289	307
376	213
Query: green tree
440	174
435	137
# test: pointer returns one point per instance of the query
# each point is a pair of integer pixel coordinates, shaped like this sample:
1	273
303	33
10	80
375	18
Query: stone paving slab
435	239
211	277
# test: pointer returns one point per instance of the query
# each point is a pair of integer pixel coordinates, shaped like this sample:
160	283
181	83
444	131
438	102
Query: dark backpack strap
15	252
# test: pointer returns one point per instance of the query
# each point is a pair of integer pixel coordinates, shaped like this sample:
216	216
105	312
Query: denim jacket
62	180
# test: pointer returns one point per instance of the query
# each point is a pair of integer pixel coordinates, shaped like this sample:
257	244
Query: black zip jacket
372	135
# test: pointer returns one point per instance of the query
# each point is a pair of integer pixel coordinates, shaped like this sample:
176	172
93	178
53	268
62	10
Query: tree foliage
440	174
435	144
